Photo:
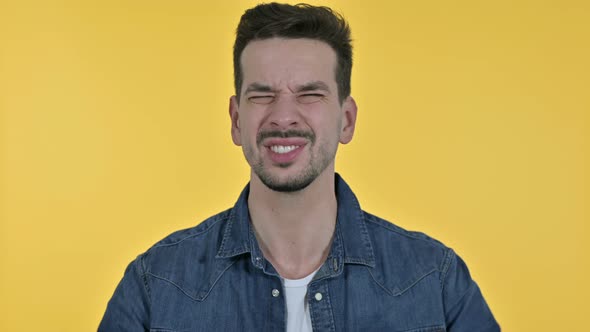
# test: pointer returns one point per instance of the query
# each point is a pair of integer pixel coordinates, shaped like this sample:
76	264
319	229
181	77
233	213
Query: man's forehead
282	61
283	49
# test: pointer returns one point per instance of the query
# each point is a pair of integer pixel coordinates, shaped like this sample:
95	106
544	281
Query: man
296	252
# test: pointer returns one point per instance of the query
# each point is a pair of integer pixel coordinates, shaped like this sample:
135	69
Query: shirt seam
143	275
446	263
207	229
392	228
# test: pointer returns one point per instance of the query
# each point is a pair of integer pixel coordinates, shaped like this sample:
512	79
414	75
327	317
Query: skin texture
290	97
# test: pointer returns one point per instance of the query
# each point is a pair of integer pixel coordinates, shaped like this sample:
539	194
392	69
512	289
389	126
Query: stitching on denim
434	328
330	306
218	218
399	291
174	284
445	268
226	234
163	329
252	245
339	249
356	260
380	284
144	278
412	284
210	287
312	315
314	322
364	232
198	297
389	226
234	252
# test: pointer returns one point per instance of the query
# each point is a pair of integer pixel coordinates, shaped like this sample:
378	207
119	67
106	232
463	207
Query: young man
296	252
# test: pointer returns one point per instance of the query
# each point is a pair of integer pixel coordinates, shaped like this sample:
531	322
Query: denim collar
351	243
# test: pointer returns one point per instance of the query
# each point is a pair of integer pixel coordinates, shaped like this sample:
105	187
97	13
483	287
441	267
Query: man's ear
235	121
348	120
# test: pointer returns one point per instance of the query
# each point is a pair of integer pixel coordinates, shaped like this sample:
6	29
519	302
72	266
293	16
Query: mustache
284	134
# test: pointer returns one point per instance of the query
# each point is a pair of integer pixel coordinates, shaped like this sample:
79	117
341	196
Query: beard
289	185
317	163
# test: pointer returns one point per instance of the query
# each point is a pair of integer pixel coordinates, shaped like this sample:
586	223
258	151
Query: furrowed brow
258	87
313	86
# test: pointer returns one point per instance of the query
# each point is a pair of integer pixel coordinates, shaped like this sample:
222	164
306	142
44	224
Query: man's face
289	120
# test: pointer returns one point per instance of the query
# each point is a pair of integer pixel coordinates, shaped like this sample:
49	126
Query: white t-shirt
298	318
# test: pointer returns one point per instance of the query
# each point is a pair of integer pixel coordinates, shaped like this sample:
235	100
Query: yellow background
473	127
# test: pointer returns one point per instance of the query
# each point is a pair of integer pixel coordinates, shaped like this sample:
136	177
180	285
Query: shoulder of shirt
185	258
187	245
391	229
404	258
193	233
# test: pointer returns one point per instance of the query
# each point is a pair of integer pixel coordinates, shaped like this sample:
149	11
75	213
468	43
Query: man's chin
288	187
286	184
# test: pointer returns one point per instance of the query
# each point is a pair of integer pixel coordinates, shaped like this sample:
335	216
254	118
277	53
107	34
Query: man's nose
284	113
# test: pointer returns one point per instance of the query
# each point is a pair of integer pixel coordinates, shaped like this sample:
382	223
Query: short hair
271	20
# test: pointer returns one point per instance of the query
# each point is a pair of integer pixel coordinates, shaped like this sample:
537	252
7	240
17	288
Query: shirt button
275	292
318	296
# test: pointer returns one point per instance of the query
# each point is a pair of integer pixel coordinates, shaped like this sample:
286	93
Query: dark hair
299	21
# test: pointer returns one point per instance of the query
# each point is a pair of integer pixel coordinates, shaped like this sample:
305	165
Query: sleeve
465	307
128	309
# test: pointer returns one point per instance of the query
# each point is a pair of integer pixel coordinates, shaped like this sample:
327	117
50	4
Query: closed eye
263	100
309	98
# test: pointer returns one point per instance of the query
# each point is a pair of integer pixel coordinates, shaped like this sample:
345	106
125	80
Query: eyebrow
258	87
311	86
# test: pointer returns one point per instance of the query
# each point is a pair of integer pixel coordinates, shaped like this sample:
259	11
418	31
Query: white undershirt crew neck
298	317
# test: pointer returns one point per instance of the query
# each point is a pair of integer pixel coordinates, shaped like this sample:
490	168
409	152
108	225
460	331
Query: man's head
292	114
273	20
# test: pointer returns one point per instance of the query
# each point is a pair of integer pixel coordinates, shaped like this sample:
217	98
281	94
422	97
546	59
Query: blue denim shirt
377	277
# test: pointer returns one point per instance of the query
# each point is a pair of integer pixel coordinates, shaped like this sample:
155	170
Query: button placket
320	307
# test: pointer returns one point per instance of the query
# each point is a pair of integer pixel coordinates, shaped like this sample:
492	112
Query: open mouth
282	149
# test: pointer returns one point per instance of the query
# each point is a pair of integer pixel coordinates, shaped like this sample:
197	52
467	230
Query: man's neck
294	230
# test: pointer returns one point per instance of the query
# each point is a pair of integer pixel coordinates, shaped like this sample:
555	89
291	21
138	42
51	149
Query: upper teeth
282	148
